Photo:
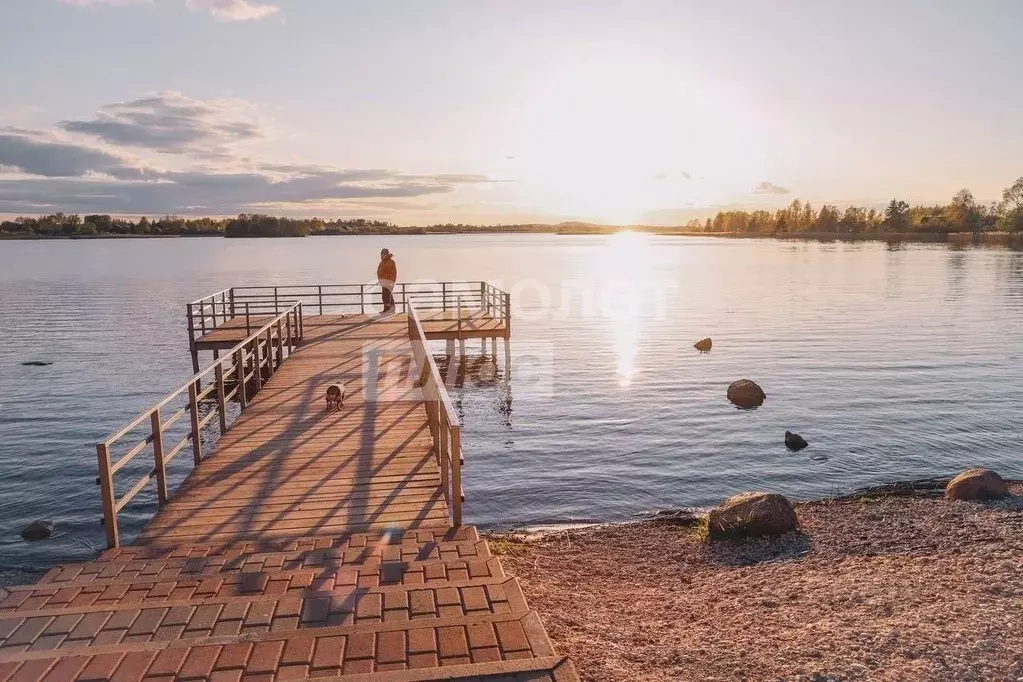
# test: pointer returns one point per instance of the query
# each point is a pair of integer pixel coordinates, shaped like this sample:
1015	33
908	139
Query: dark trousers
387	297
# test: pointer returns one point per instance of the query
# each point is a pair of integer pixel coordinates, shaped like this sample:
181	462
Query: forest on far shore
963	214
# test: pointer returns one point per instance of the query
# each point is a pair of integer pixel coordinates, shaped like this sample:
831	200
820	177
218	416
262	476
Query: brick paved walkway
306	546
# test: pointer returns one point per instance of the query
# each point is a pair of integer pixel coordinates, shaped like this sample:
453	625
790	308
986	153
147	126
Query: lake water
895	363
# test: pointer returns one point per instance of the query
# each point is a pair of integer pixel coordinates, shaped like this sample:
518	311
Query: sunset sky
525	110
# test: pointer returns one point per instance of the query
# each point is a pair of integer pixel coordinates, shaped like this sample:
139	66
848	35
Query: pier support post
493	348
450	348
507	358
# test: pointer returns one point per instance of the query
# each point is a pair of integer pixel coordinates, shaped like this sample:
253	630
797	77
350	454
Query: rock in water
36	363
38	530
746	393
703	345
750	514
976	484
793	441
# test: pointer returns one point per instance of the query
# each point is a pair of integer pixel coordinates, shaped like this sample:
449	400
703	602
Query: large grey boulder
37	530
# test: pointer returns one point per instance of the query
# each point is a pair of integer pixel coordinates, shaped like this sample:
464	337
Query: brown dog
335	396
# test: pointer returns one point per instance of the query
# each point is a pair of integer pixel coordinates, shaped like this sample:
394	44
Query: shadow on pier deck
305	543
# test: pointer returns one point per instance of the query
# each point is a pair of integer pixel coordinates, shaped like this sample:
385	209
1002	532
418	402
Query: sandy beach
890	588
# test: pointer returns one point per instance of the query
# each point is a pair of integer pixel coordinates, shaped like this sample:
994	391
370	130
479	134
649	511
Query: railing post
239	370
442	427
232	301
280	344
319	291
221	400
483	296
269	352
287	328
362	299
456	474
444	295
507	315
161	467
276	311
191	340
193	408
106	484
248	324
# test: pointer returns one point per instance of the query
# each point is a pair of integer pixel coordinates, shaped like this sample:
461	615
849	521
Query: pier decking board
438	324
305	544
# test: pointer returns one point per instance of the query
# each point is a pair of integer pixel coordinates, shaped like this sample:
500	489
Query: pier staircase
419	605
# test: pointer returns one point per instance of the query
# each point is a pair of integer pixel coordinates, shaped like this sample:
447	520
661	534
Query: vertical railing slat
193	409
106	483
161	467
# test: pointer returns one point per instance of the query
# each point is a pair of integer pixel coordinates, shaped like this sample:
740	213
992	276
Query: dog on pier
335	396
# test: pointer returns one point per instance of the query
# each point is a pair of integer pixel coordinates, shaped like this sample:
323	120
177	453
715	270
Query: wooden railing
445	426
233	378
208	313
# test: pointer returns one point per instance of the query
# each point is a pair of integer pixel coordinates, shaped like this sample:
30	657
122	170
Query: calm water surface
893	363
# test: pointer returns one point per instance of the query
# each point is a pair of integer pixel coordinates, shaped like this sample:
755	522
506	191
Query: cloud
33	154
766	187
97	3
232	10
172	123
685	175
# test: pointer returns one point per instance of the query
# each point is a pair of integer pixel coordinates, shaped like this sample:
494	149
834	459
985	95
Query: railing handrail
434	373
117	435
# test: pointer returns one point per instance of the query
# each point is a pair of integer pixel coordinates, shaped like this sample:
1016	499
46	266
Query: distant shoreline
958	239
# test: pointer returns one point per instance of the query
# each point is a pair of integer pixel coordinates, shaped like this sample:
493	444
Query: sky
479	111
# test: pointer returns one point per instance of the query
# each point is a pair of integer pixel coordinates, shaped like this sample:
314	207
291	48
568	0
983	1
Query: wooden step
293	544
178	568
296	583
74	628
469	644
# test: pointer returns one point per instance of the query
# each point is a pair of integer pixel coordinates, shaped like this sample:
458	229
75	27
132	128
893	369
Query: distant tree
896	216
963	212
143	226
1013	195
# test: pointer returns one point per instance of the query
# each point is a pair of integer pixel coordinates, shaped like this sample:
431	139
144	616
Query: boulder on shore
976	484
793	441
751	514
37	530
746	393
703	345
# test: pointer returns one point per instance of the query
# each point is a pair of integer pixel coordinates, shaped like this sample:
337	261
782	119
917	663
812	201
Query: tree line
963	214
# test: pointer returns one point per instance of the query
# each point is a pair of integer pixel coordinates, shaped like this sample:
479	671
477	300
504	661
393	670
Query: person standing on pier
387	275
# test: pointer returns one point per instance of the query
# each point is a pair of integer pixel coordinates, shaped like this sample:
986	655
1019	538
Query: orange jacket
387	270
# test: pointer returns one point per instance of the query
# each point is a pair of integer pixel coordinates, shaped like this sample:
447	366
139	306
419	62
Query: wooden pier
304	542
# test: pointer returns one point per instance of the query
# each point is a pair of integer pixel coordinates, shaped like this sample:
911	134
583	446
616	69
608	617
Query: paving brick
264	657
475	599
28	631
485	655
168	662
147	622
298	651
31	671
427	660
63	625
134	666
422	602
354	667
329	652
481	635
233	656
451	641
369	607
511	636
100	668
90	625
360	645
204	618
199	663
390	647
65	669
121	620
260	613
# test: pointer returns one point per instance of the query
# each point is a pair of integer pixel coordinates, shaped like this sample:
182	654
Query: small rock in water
793	441
977	484
703	345
38	530
746	393
820	458
36	363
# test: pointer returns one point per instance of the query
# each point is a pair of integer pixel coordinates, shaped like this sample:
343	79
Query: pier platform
305	543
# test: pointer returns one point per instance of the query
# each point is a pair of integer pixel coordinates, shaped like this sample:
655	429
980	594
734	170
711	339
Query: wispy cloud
222	10
172	123
92	166
766	187
232	10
